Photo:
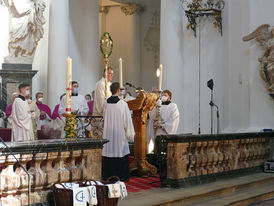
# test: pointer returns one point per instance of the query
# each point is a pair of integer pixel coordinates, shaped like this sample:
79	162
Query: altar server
21	117
99	95
78	105
118	129
45	112
169	114
78	102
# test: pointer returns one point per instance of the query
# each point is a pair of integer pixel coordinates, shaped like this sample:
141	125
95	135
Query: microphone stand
212	104
20	164
211	108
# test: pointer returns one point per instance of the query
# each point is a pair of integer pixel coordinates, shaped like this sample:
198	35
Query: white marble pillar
58	50
84	43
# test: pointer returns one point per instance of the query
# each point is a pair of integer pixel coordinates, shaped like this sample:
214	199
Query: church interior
212	59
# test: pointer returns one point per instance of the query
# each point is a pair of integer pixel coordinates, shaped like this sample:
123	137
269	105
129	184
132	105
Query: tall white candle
160	77
121	72
68	86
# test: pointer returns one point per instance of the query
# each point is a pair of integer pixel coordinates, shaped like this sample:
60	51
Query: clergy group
26	116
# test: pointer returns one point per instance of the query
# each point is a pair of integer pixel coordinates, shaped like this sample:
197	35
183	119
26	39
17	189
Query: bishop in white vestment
99	95
22	129
119	130
169	114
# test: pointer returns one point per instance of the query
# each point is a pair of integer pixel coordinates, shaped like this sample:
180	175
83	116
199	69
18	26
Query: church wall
83	44
238	91
125	33
128	33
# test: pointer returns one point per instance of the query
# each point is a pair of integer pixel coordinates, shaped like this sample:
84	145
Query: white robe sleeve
99	98
128	125
172	122
84	107
62	107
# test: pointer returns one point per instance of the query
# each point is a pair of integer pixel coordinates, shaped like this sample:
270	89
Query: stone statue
26	29
266	42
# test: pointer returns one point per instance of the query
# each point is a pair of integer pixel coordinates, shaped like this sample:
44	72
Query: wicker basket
102	191
62	196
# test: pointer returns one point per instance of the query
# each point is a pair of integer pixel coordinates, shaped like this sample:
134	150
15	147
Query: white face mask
27	93
123	92
164	98
41	99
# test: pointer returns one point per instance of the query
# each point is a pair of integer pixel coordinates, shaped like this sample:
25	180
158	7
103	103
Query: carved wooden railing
90	127
47	162
195	159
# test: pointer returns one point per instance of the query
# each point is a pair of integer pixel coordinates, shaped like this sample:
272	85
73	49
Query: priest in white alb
102	92
78	105
119	130
169	115
22	129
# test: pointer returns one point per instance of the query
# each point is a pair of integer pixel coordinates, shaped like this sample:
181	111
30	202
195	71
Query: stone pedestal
12	75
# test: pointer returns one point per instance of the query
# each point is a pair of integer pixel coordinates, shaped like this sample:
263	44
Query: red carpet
137	184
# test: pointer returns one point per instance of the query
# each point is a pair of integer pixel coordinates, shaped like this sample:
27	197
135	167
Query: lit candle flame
150	147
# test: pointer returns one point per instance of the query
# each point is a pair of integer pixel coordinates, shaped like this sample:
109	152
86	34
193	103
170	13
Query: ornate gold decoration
130	9
104	9
199	8
266	42
106	47
71	125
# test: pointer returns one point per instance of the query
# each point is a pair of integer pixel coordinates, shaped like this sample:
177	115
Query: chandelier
199	8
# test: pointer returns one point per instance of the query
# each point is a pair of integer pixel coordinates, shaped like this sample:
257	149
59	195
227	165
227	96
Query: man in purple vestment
9	108
90	103
55	113
45	112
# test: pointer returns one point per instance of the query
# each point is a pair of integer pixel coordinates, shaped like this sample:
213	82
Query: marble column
58	49
171	53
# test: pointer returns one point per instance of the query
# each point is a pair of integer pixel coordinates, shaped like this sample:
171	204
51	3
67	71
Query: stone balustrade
196	159
47	162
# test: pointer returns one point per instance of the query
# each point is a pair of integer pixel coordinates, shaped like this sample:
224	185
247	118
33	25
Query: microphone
20	164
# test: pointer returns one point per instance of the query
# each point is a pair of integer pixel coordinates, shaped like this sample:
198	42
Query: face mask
75	90
27	93
164	98
41	99
123	92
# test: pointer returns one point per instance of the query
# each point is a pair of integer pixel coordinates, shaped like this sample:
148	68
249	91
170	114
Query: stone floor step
193	195
241	198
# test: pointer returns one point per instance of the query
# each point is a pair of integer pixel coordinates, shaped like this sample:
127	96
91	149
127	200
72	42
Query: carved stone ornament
265	38
152	37
130	9
26	29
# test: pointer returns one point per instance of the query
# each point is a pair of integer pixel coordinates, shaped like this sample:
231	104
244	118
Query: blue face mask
75	90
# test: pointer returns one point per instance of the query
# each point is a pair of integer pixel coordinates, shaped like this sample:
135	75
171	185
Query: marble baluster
22	193
64	173
75	168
